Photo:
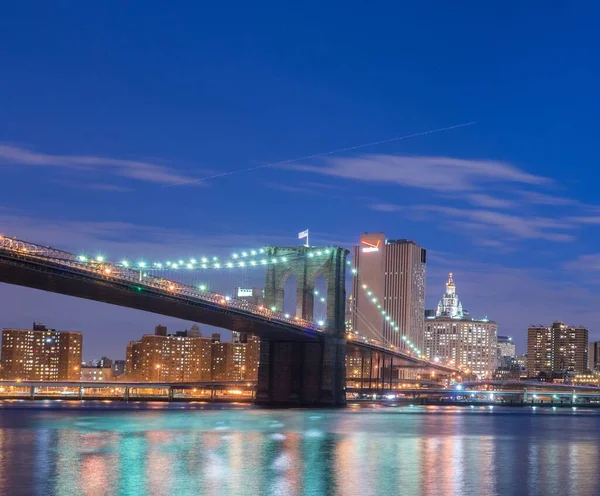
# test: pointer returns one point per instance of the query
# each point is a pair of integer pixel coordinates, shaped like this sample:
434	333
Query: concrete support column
32	393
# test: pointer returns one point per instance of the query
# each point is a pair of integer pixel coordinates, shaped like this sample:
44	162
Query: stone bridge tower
309	372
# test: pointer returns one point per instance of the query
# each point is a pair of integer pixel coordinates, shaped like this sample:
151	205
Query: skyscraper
393	271
453	337
556	350
506	351
41	354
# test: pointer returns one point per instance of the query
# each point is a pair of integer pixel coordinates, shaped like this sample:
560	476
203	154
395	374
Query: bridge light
354	271
327	252
168	264
319	253
99	258
253	262
364	286
320	322
316	292
244	254
242	264
189	266
204	266
142	264
159	265
310	255
125	263
369	293
253	252
171	287
262	250
283	259
180	262
215	259
202	287
227	298
193	261
383	312
107	270
263	262
287	315
217	266
229	265
204	260
273	309
374	300
322	300
81	258
235	255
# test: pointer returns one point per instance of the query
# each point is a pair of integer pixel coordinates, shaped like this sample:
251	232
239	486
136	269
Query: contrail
322	154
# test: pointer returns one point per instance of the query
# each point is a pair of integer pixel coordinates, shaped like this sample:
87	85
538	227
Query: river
95	448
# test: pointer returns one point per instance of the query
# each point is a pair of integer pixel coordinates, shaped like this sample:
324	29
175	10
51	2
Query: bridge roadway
45	268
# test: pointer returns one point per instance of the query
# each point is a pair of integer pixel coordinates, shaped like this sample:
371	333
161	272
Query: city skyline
500	202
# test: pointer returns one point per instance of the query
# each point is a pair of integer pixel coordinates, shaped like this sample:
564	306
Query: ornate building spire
449	305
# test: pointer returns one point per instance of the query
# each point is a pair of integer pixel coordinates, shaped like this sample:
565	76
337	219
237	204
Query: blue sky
103	108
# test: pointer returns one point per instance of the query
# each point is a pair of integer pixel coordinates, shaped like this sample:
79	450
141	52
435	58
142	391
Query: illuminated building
254	296
235	361
95	373
394	273
118	367
506	351
41	354
594	356
163	357
455	338
556	349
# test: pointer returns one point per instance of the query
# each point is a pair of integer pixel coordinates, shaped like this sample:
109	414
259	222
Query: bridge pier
302	373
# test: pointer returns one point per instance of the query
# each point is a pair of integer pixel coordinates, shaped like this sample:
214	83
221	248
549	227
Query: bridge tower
311	372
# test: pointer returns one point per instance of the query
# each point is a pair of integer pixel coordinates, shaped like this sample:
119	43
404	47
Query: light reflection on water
98	449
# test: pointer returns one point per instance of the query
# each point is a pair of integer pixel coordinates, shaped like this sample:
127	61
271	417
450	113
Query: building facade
163	357
182	357
41	354
393	272
96	373
556	349
507	351
453	337
594	357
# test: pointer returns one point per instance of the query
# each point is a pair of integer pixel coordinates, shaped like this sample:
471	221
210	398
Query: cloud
93	186
519	227
536	198
585	262
442	174
130	169
488	201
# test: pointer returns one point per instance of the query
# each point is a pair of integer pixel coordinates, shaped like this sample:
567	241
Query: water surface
70	448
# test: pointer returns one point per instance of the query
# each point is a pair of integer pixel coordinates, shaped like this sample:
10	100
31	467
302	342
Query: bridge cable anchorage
374	300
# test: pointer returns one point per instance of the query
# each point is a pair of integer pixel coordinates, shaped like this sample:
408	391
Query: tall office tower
41	354
393	272
162	357
453	337
594	356
556	349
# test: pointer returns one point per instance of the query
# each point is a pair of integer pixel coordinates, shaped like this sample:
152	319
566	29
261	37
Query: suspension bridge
304	352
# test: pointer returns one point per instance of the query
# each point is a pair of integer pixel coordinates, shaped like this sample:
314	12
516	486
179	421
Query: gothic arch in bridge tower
307	264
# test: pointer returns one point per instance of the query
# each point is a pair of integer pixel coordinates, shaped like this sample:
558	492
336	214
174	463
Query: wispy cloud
442	174
115	188
484	200
130	169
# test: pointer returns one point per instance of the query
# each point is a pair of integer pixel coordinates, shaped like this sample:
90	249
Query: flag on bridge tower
304	235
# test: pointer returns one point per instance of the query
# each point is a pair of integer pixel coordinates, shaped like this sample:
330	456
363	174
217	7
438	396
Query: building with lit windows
163	357
507	351
556	350
389	273
235	361
455	338
41	354
254	296
96	373
594	357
